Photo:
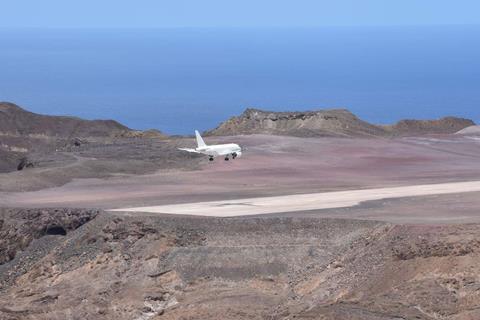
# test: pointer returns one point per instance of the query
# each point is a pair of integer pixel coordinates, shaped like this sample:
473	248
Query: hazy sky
235	13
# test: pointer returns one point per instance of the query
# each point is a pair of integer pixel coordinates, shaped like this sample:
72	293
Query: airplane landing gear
226	159
234	155
210	159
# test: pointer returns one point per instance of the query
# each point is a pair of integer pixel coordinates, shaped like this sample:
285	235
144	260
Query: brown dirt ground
274	165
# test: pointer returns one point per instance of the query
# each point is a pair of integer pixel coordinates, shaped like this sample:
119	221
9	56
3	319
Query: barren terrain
117	266
271	166
305	202
399	241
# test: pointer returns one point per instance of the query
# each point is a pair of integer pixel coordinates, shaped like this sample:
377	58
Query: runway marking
304	202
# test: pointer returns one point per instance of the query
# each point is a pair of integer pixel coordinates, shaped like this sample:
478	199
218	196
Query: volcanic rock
17	121
447	125
334	122
25	163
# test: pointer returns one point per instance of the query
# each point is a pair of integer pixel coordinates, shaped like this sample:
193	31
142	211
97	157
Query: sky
234	13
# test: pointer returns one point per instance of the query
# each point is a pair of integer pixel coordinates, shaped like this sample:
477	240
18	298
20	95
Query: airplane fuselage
221	150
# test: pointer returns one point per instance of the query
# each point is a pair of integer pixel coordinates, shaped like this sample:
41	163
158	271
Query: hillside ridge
15	120
330	122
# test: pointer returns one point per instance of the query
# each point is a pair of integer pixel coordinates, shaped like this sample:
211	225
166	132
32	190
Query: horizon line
236	27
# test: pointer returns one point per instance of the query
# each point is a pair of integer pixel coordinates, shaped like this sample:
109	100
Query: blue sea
177	80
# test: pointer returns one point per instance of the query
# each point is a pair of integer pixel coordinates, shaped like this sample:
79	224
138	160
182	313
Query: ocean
177	80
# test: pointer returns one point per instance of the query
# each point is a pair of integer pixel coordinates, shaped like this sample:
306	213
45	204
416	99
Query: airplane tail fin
200	142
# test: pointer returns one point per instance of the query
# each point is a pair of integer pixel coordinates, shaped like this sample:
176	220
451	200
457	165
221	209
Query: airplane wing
188	150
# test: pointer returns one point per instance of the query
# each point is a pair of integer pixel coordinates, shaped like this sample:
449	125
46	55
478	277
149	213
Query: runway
304	202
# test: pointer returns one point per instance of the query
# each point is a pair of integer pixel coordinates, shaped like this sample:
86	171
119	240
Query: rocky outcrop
18	228
335	122
25	162
447	125
17	121
120	266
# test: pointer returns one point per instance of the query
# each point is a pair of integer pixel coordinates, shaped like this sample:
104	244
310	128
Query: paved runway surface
304	202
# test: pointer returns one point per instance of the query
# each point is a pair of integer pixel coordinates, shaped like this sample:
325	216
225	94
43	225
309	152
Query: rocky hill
16	121
334	122
445	125
29	140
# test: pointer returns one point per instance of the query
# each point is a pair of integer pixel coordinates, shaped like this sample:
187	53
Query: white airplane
228	150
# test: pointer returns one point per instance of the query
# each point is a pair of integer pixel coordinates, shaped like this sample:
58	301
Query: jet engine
236	154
